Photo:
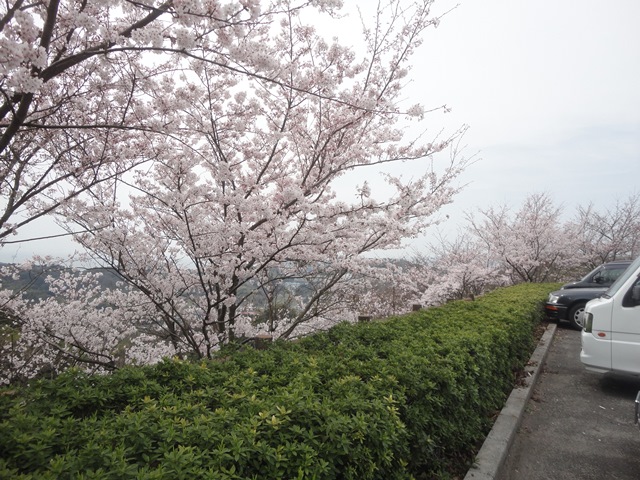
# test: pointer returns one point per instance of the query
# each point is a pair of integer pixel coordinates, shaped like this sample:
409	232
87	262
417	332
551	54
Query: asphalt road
577	425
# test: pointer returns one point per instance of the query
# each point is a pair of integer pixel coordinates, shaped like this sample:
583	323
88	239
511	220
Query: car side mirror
598	279
635	294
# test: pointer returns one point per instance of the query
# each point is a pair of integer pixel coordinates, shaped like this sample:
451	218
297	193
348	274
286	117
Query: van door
625	331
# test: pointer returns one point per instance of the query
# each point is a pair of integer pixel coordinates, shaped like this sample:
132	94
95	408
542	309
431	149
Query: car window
616	272
632	297
591	275
608	275
630	270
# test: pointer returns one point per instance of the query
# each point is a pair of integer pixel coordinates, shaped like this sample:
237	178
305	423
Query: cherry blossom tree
215	136
609	234
458	269
78	323
532	244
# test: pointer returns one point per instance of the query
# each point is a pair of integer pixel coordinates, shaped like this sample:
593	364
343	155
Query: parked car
611	334
568	303
602	276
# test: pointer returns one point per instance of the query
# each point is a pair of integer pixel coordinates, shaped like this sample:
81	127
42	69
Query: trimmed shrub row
408	397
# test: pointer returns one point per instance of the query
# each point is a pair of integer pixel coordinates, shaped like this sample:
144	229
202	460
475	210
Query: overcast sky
550	90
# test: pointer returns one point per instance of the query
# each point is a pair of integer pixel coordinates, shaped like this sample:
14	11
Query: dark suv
568	302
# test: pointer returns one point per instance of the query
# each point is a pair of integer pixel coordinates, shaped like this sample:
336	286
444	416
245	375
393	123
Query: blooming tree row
501	246
610	234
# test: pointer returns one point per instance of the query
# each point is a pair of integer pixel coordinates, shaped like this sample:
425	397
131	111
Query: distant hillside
32	281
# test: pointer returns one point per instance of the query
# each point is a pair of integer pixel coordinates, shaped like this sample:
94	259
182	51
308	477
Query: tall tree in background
532	244
458	269
610	234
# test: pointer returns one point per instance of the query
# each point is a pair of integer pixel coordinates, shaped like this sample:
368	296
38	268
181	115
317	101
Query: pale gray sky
550	90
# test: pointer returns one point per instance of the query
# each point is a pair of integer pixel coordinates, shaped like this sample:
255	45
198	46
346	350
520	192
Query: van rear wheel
576	315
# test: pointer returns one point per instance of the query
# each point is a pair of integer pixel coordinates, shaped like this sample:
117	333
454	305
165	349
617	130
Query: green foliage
409	397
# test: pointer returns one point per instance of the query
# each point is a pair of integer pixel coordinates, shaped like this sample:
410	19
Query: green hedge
408	397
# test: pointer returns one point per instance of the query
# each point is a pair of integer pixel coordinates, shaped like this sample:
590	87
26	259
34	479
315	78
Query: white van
611	328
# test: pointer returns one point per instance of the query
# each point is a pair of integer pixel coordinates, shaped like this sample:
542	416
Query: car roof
617	262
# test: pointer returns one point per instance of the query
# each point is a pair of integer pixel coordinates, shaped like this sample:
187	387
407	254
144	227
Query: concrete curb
495	448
